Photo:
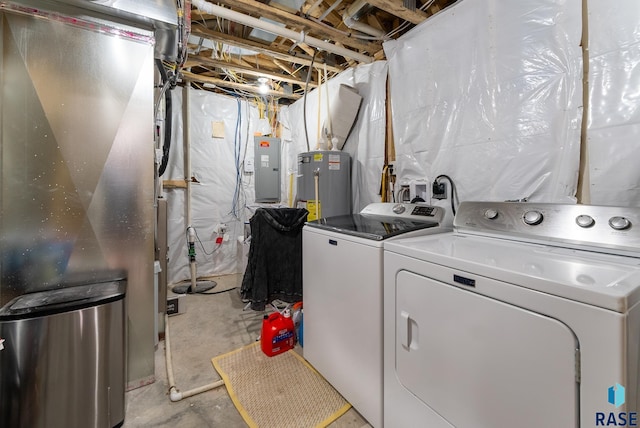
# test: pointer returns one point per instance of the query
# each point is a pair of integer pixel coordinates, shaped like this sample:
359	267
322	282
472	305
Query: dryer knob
532	218
398	208
619	223
585	221
491	214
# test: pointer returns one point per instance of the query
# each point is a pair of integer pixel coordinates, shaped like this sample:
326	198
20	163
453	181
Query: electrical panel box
267	169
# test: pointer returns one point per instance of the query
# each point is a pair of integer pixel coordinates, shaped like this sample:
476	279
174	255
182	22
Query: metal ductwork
353	13
160	16
77	180
292	5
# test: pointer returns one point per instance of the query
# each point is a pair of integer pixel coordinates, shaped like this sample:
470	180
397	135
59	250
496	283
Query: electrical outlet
221	229
248	166
439	190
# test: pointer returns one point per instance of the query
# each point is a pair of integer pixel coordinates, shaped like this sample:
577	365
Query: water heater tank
333	171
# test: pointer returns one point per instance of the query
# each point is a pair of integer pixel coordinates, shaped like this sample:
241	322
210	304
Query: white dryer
342	295
526	315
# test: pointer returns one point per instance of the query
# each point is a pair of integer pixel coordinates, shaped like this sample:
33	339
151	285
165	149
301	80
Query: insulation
489	93
613	122
221	192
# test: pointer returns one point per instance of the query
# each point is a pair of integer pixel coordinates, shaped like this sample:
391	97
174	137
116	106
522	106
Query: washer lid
604	280
371	226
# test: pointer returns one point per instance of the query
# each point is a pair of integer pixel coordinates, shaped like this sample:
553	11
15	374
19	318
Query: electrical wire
244	154
454	192
237	142
216	248
240	197
219	292
184	31
166	141
406	24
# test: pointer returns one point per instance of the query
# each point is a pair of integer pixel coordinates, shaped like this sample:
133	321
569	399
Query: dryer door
479	362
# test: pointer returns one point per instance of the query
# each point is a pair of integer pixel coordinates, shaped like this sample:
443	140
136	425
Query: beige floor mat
280	391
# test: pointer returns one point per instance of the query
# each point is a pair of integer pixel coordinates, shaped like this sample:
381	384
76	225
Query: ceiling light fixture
263	87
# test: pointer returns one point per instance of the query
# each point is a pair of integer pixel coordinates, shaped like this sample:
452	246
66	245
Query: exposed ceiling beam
247	21
252	7
191	77
396	8
284	67
194	60
260	48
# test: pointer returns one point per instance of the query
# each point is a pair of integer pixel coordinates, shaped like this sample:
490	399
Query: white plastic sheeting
365	143
215	197
613	123
213	163
489	93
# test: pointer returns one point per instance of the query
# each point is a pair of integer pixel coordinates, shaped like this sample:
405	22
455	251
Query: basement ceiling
229	49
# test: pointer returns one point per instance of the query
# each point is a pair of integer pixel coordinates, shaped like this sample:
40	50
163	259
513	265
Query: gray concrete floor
211	325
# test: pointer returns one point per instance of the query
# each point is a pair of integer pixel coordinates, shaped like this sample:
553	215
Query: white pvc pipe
319	144
277	30
186	135
326	87
187	150
361	26
351	22
354	24
355	7
174	393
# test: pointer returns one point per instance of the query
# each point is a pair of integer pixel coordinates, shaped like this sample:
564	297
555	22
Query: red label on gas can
277	334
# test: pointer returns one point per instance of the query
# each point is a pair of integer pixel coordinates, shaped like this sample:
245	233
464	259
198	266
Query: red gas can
278	334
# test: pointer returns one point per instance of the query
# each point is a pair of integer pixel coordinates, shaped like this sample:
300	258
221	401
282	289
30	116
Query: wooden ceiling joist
347	38
191	77
395	7
195	60
260	48
314	34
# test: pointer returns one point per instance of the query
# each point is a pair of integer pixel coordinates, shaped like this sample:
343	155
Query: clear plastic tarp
221	139
490	94
613	122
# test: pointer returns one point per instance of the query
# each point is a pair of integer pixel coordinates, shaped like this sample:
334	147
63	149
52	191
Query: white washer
526	315
342	295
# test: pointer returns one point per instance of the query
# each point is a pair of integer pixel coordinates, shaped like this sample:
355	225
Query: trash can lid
64	299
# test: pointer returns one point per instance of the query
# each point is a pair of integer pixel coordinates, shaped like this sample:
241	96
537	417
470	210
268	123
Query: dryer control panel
419	211
604	228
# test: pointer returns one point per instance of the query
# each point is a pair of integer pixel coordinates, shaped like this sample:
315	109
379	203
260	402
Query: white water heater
324	183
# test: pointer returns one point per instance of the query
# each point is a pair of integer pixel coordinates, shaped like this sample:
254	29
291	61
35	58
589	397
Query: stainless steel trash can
62	362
